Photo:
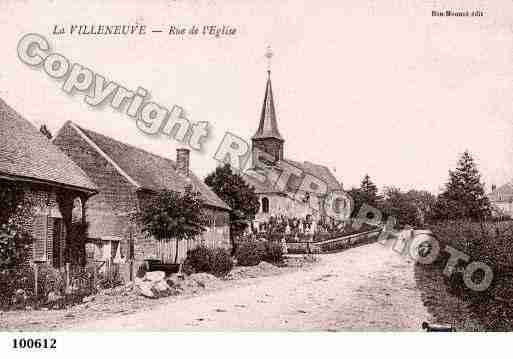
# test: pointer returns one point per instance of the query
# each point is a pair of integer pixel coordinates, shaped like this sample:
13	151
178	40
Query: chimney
182	161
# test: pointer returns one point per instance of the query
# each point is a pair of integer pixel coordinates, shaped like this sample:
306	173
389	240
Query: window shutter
40	230
49	239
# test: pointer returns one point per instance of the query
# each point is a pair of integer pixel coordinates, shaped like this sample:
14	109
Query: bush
487	242
203	259
12	280
273	252
250	253
49	280
221	262
198	260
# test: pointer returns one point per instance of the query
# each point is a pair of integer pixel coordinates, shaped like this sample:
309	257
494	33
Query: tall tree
370	191
241	197
45	131
366	194
464	196
173	215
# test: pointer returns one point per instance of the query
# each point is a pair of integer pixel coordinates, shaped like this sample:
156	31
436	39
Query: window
77	210
40	234
265	205
58	242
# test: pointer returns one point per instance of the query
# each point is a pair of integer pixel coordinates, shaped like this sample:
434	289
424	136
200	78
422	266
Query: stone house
289	200
126	176
501	199
55	185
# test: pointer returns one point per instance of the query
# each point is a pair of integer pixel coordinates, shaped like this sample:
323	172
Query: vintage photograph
277	166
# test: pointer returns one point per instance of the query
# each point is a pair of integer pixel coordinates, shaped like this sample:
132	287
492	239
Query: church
289	199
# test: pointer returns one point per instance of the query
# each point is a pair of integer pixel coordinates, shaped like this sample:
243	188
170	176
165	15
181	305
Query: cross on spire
269	54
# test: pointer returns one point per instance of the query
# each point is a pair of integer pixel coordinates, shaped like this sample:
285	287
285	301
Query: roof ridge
326	168
48	145
134	178
322	167
13	111
126	144
82	132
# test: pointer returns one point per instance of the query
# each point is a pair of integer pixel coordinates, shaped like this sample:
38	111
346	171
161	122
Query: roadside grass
488	242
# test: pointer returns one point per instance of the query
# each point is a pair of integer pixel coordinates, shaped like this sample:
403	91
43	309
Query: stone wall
286	205
44	222
283	205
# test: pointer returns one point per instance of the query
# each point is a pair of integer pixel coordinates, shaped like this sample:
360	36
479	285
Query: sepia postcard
241	166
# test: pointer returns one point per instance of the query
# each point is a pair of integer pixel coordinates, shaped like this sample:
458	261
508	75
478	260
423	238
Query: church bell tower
268	138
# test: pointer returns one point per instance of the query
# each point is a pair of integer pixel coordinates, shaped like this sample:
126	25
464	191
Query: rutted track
369	287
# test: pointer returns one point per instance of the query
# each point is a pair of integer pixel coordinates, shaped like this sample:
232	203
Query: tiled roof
318	171
268	127
502	194
25	152
148	170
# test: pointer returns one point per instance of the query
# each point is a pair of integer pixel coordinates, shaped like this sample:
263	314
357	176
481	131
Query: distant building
126	177
56	186
501	199
289	201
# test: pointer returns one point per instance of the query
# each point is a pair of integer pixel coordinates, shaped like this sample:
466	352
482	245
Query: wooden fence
166	248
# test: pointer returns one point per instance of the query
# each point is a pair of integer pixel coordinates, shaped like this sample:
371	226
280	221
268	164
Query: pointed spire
268	126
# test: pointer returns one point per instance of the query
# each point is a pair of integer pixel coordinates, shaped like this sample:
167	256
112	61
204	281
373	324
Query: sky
364	87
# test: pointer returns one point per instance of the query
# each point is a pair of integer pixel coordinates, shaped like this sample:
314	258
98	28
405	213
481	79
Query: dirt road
365	288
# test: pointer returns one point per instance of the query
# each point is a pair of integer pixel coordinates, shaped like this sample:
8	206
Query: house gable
117	197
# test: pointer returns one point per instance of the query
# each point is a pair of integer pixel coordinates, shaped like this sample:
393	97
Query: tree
241	197
358	198
15	210
171	214
370	191
425	203
402	206
366	194
45	131
464	196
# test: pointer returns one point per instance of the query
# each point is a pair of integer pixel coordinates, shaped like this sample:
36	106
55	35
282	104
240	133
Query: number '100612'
30	343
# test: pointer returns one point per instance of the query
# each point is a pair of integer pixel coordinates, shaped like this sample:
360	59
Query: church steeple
267	137
268	127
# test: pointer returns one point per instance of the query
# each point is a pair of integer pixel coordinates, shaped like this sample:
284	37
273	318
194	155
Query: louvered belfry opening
183	161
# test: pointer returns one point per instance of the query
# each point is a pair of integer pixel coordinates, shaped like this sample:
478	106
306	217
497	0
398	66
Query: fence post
109	268
36	274
94	278
67	276
131	269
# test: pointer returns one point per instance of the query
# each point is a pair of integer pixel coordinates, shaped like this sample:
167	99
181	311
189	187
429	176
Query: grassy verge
491	243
